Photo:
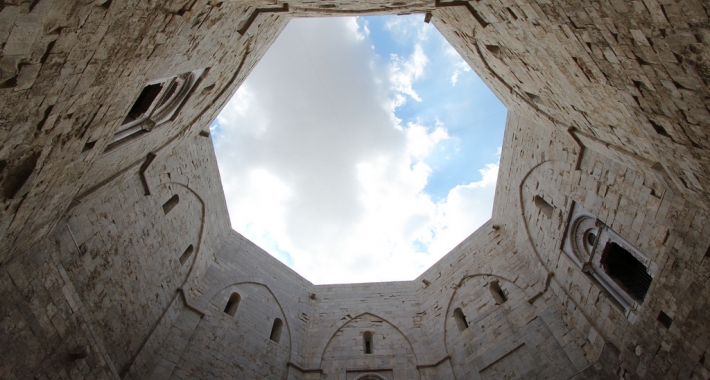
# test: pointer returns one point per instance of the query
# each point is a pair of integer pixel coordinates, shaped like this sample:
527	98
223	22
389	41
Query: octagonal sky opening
360	149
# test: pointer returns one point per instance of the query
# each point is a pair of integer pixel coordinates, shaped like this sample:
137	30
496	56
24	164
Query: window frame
163	109
589	258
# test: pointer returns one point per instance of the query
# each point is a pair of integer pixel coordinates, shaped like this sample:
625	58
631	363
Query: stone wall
70	73
109	276
609	115
668	229
630	74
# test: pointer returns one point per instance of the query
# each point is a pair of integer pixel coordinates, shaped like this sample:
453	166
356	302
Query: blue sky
359	145
473	116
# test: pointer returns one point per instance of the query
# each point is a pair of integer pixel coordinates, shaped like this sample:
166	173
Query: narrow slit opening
367	340
497	293
170	204
460	318
276	330
664	320
186	255
545	207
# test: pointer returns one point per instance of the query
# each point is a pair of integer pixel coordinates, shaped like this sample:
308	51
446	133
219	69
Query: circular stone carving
583	234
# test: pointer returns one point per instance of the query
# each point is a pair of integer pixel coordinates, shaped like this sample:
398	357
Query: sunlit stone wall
609	112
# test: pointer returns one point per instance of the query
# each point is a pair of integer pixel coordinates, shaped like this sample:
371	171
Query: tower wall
609	115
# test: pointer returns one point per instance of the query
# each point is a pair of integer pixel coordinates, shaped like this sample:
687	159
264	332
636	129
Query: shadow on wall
493	332
244	321
383	346
111	247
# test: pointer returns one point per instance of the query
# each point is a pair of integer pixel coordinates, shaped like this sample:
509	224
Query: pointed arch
216	291
200	236
453	295
332	336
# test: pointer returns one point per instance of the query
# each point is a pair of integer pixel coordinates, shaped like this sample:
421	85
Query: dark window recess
89	145
460	318
626	270
232	304
367	339
497	293
186	255
664	319
276	330
493	49
143	103
14	176
170	204
659	129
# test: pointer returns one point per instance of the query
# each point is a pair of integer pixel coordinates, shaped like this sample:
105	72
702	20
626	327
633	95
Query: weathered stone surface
609	114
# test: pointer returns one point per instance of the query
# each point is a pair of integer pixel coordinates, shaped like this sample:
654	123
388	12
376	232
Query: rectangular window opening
460	318
665	320
497	293
626	271
143	103
545	207
367	340
89	145
157	103
170	204
186	255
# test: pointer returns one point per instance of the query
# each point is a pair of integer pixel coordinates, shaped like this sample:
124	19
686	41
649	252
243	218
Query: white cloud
420	141
354	27
466	208
319	165
459	65
260	190
244	104
409	28
403	73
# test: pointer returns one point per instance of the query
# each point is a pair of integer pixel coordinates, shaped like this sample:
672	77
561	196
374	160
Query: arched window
170	204
497	292
186	255
276	330
367	342
232	304
461	321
